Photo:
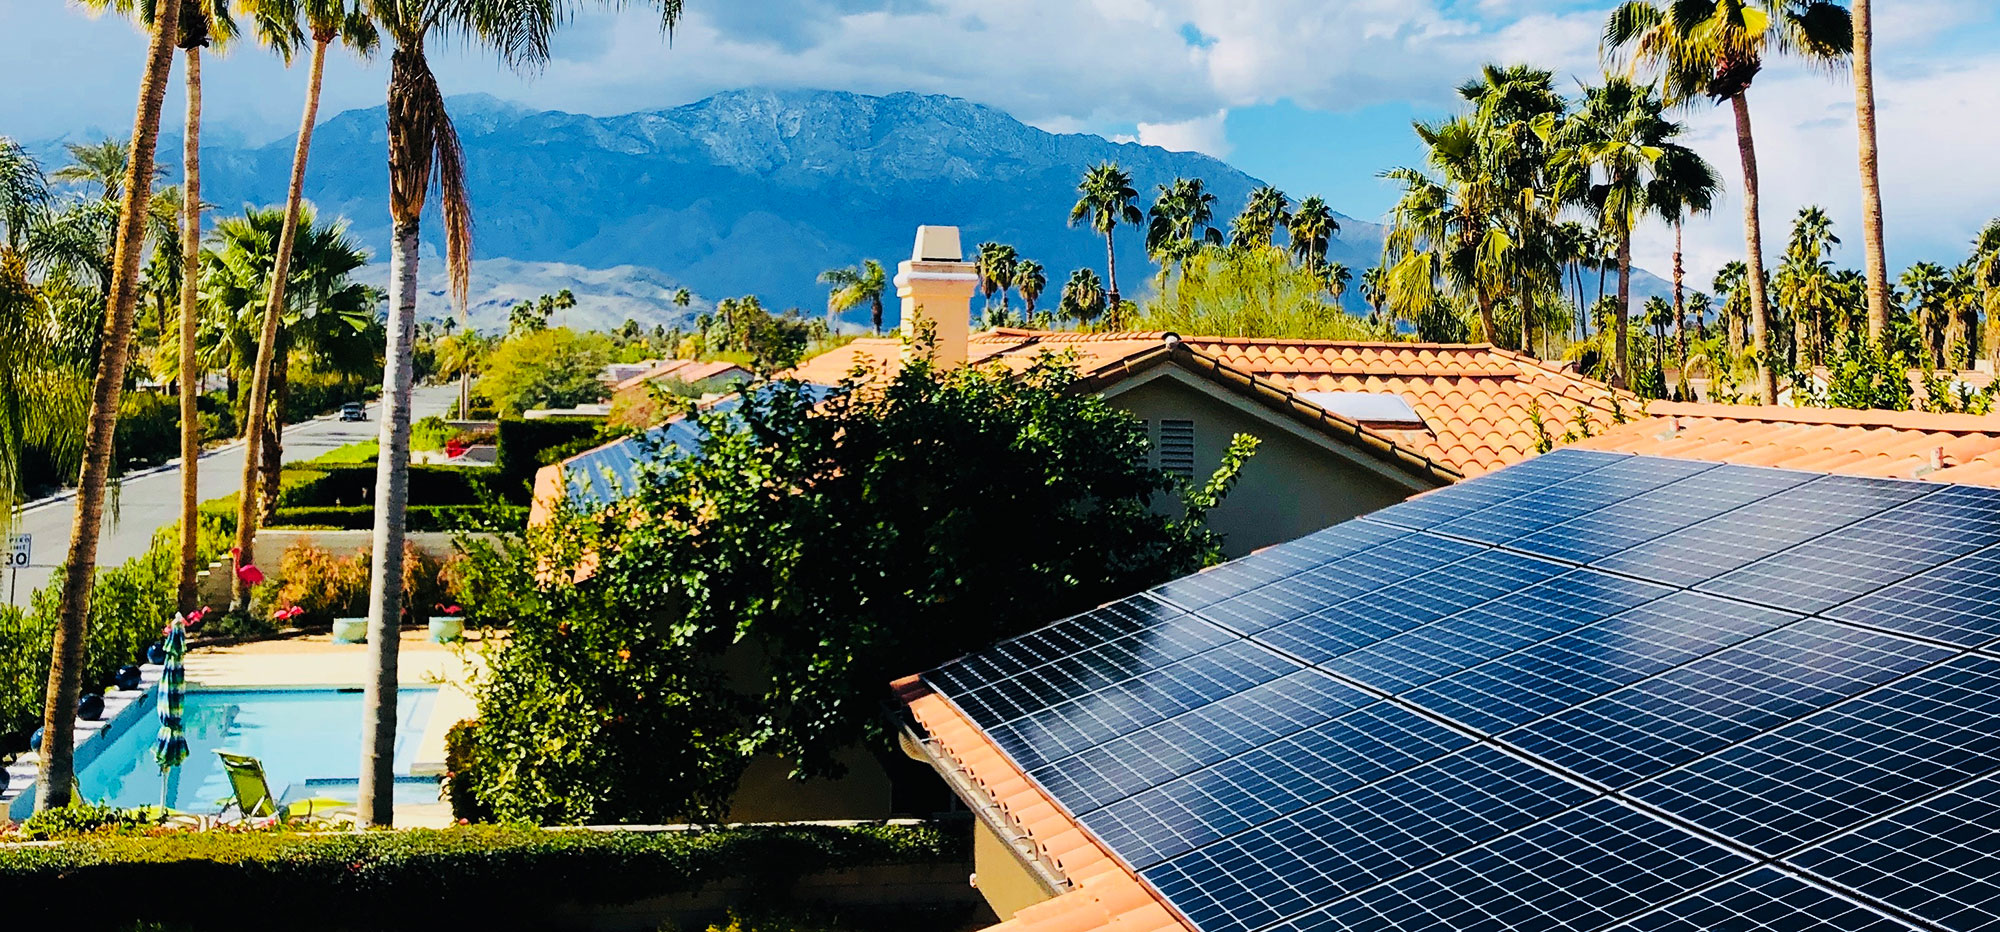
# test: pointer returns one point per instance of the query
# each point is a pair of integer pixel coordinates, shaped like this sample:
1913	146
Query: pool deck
316	662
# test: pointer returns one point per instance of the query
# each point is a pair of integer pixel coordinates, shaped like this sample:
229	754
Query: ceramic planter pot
350	630
447	628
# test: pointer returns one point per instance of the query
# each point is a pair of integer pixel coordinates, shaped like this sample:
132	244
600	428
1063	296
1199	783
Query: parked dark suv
353	411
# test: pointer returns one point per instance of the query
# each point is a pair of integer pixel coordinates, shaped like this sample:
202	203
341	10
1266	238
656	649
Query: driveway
146	502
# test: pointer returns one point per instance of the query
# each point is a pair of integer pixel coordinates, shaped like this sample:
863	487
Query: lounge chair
254	799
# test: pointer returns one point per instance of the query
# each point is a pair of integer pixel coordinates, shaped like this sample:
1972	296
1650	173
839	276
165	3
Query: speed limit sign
20	550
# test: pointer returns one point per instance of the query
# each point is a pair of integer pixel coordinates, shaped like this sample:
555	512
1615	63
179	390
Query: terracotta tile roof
1475	399
686	370
1102	893
1962	448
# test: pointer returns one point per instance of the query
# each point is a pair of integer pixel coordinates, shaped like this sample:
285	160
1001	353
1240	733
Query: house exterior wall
1297	483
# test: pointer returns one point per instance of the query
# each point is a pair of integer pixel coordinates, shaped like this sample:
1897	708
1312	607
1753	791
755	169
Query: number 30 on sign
20	550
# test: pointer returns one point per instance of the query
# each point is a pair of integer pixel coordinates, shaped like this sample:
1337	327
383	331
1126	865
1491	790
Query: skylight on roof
1376	409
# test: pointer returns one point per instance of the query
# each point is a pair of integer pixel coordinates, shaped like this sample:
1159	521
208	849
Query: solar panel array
1590	691
608	473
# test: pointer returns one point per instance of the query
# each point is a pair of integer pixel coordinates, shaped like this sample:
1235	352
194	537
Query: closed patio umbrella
172	747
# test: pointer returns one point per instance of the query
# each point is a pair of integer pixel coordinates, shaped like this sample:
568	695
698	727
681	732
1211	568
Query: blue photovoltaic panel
1506	624
1309	767
1582	870
1958	603
1939	861
610	472
1389	611
1573	668
1435	508
1760	529
1870	553
1765	901
1719	700
1129	705
1527	513
1859	759
1387	727
1623	525
1220	730
1352	842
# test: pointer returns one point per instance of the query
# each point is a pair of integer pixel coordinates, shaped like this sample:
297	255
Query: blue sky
1313	95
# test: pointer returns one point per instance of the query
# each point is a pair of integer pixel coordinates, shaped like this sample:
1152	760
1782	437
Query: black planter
90	708
127	677
35	740
156	654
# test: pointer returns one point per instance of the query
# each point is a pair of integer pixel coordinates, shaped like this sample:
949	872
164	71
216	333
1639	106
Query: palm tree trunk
1871	176
1111	277
1527	317
875	312
1753	238
385	579
1486	325
66	657
186	593
1680	301
274	436
465	392
274	306
1621	375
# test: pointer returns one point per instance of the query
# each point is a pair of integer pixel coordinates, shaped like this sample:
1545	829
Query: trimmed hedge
416	517
353	484
524	445
464	876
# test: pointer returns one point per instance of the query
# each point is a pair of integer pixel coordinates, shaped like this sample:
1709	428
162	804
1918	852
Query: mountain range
746	192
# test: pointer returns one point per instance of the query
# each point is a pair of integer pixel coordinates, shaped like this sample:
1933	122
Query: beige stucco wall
1003	880
1295	485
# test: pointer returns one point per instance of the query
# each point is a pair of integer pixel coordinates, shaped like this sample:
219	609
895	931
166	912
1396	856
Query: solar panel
1870	553
1838	767
1939	860
1435	508
1957	603
1623	525
1575	694
1764	901
1757	530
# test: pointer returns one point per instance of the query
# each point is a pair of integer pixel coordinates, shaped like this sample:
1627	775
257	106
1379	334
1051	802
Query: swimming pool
308	739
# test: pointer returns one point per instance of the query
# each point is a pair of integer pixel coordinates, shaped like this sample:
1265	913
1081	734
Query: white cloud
1202	134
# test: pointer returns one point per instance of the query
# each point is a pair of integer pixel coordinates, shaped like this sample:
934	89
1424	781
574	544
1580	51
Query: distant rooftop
1962	448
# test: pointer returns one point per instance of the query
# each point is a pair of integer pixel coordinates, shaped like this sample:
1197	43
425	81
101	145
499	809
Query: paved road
151	501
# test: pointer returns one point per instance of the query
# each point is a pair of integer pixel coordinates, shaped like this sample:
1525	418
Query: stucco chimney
936	285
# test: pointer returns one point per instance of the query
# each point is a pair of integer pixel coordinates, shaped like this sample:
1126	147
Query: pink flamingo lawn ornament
248	572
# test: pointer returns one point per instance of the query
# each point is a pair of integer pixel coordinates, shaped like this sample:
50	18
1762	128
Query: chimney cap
937	244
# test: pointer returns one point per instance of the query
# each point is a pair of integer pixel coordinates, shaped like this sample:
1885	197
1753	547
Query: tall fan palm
1715	49
1517	110
1732	283
104	163
1267	210
284	25
1879	295
1621	135
24	191
1445	231
1031	281
1684	185
1929	287
855	285
994	262
1375	291
1105	200
1805	284
1983	292
1313	229
1180	222
58	776
1082	297
421	137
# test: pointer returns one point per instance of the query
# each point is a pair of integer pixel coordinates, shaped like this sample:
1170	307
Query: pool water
309	741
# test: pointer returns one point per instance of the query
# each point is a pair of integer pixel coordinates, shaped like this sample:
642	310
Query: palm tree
1267	210
421	136
1031	280
1336	278
1871	174
1684	185
1929	287
1082	297
24	191
1445	231
1732	282
1715	49
1375	291
58	777
857	284
994	263
1516	110
1313	229
684	297
1982	292
1181	221
1620	136
279	27
103	163
1105	200
1805	284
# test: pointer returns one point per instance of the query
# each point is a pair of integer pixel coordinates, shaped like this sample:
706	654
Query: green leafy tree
1105	201
1253	292
841	544
553	368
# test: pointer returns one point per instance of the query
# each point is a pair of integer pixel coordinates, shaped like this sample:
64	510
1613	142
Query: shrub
464	877
429	433
82	819
461	745
415	517
328	586
149	429
523	443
